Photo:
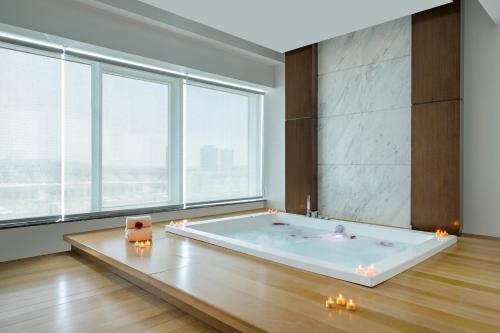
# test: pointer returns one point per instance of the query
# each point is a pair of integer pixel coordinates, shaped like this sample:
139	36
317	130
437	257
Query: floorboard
69	293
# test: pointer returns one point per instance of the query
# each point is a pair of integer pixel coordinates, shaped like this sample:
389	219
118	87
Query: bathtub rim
386	268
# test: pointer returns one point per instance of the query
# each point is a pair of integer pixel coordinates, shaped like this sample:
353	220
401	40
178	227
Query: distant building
226	159
208	158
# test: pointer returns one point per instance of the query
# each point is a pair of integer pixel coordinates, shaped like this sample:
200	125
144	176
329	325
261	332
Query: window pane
30	135
77	138
222	144
135	143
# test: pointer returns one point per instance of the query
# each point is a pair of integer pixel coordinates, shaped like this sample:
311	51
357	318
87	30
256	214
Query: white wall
364	126
274	142
481	122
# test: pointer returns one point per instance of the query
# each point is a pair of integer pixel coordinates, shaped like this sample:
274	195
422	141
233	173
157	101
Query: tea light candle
360	269
441	234
330	303
178	224
371	270
148	243
340	300
141	244
136	243
351	306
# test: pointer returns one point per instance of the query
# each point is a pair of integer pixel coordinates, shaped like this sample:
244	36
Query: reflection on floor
68	293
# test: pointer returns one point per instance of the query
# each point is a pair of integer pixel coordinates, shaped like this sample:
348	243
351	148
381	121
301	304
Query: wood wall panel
300	178
435	133
436	54
435	176
301	82
300	128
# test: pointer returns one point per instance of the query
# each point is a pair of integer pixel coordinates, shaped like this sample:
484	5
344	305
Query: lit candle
136	243
141	244
371	270
351	306
330	303
360	269
340	300
178	224
441	234
148	243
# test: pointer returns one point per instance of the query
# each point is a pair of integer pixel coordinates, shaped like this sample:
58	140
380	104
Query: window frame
177	100
174	125
54	54
259	135
32	50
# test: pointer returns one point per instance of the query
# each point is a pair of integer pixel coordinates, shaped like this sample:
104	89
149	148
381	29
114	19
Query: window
222	144
77	138
81	136
30	135
136	152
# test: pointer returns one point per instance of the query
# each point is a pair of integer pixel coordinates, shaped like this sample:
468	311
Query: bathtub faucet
309	212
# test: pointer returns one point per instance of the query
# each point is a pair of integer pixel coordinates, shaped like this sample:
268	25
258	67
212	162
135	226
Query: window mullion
96	179
176	142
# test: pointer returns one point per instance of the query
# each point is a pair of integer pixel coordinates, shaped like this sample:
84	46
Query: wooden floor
457	290
67	293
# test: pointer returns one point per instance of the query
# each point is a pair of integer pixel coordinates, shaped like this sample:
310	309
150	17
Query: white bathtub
312	245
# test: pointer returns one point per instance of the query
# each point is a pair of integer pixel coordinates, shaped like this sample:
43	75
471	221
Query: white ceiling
493	9
283	25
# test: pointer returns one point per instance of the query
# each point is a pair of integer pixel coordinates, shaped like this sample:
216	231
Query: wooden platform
455	291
